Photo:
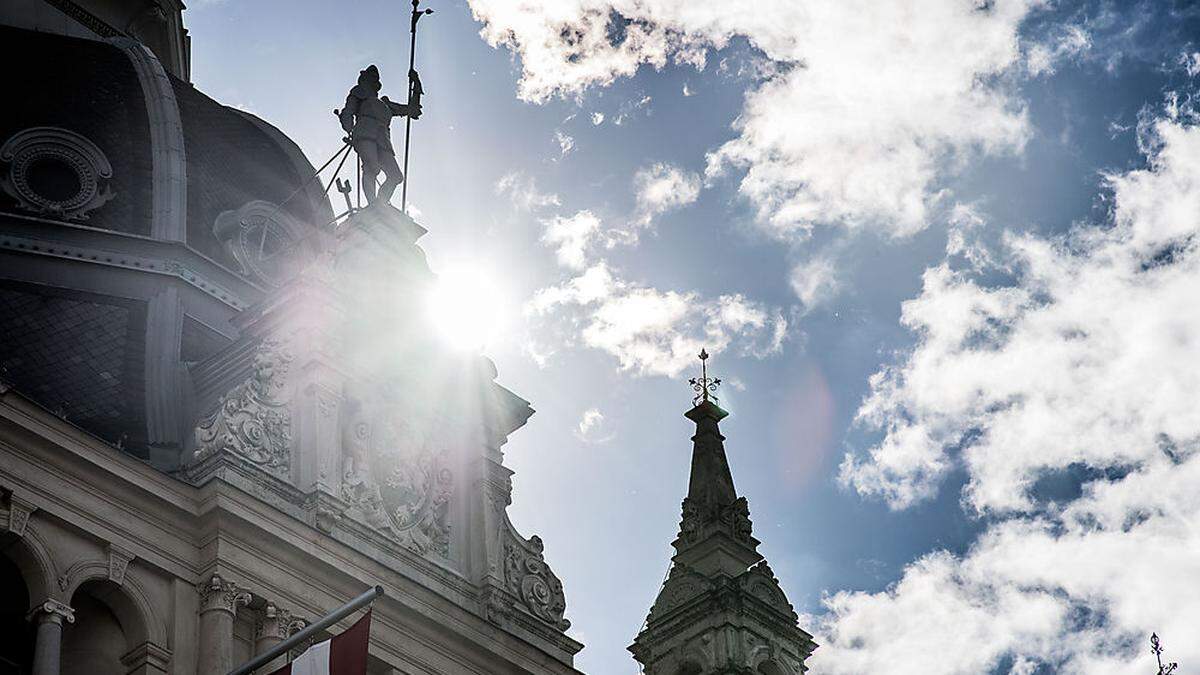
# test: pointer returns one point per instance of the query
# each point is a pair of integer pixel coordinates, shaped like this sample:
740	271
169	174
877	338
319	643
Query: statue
367	117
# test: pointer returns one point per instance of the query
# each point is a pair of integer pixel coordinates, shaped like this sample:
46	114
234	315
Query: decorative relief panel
398	481
56	172
252	421
700	519
760	582
682	584
529	578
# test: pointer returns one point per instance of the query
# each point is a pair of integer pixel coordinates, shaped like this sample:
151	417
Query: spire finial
704	385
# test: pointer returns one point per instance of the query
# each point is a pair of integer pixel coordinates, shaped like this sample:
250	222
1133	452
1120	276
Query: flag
344	654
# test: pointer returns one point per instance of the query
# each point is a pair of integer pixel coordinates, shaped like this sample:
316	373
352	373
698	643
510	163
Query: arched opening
16	647
96	641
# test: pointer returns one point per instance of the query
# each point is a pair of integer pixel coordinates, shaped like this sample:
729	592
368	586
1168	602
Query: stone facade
202	446
721	611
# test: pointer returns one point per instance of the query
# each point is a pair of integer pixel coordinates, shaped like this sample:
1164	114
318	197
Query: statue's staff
414	96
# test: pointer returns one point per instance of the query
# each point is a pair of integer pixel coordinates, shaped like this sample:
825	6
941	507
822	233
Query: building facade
221	417
720	611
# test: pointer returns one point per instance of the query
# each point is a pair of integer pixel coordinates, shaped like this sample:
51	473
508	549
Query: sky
945	255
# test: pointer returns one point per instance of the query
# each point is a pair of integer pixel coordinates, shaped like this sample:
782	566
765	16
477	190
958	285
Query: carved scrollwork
250	421
399	483
528	577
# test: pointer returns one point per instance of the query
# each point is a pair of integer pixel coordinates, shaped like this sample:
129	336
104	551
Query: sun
468	306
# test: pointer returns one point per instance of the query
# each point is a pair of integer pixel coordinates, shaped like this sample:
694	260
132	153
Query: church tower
721	610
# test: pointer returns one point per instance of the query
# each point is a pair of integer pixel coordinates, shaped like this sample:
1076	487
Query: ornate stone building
721	610
219	416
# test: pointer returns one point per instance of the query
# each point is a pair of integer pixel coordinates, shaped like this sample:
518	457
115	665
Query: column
49	617
219	600
274	626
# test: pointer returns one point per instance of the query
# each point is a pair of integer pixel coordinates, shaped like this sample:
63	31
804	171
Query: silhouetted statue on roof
368	119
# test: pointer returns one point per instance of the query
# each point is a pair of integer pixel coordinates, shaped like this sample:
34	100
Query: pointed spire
716	525
711	482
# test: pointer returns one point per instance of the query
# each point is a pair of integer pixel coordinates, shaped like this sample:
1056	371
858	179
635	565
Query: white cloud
571	237
566	142
597	118
651	331
523	192
593	427
815	281
1087	363
842	131
662	187
687	91
1070	42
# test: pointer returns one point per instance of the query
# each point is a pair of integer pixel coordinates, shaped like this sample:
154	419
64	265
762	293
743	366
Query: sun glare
467	306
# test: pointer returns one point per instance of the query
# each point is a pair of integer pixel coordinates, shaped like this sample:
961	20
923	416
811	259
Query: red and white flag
344	654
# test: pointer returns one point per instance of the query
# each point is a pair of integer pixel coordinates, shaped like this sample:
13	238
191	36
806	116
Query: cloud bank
1084	368
866	106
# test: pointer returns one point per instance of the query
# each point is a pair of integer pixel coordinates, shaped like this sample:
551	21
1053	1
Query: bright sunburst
467	306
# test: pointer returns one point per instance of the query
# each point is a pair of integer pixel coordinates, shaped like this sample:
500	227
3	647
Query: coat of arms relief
398	480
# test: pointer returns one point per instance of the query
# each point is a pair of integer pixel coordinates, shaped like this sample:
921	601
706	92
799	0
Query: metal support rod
325	622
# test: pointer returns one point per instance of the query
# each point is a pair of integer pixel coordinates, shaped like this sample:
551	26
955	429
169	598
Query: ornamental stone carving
398	481
118	563
19	511
683	584
54	171
700	519
52	610
276	623
251	421
527	576
217	594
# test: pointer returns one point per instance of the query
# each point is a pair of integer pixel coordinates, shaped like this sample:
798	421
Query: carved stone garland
529	578
250	421
396	482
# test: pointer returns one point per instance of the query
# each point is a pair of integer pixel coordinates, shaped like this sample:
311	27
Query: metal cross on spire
704	385
1156	648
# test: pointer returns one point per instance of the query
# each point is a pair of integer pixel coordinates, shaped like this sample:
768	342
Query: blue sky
905	230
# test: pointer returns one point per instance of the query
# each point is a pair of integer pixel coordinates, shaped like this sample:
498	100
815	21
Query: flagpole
299	638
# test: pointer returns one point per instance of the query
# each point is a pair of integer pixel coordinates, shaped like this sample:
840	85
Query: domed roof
92	88
89	88
152	157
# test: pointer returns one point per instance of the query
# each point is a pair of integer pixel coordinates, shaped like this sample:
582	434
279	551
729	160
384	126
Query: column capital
51	610
277	624
220	594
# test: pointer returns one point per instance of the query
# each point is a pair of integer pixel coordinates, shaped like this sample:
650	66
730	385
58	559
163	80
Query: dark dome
90	88
96	139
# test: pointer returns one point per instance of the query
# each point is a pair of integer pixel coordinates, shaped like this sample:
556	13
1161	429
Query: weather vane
1156	648
704	385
